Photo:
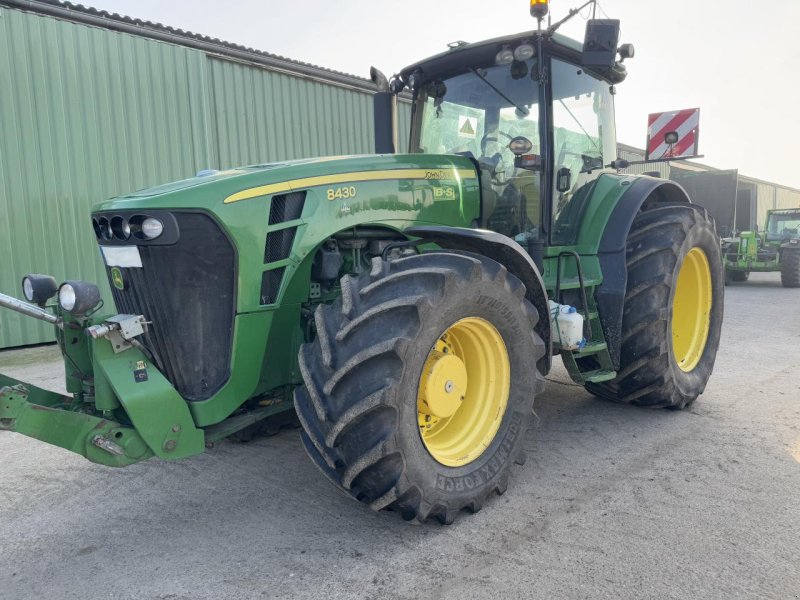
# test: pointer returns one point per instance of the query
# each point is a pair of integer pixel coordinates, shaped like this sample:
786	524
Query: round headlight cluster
67	297
504	57
524	51
521	53
140	227
120	228
39	288
78	297
152	228
102	228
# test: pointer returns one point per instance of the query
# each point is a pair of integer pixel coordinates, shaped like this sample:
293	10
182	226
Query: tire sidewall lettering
490	301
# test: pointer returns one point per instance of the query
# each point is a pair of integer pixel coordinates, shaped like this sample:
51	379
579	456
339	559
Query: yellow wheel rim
691	310
463	391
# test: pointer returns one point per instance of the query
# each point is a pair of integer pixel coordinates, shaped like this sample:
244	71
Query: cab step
593	347
598	376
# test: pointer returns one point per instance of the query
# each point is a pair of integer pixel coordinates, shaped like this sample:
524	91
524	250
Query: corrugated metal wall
87	114
770	196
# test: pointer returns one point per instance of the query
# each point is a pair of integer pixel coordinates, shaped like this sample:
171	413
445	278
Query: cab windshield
785	226
477	113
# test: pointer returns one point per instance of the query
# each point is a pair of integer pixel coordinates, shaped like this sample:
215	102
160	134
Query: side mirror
600	43
620	163
520	145
563	179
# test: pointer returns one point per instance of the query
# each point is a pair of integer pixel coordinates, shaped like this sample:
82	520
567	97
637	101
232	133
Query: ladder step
590	348
598	376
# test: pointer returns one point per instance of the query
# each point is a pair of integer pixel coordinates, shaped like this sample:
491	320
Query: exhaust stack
385	114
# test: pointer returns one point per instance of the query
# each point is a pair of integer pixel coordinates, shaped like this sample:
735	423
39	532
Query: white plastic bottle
566	326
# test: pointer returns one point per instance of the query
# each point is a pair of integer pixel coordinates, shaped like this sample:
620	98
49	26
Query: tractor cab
777	248
782	226
536	120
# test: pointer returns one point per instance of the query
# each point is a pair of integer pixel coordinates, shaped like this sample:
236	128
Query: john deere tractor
777	248
407	307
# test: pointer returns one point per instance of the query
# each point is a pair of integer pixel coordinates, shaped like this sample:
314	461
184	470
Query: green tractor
775	249
406	307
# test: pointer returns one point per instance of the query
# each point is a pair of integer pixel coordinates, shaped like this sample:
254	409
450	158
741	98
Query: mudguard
644	192
508	253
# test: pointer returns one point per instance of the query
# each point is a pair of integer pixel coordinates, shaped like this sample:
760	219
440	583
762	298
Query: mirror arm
572	12
621	163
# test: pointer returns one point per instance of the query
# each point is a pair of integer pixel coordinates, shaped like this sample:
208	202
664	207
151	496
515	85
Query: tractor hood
209	259
226	182
213	190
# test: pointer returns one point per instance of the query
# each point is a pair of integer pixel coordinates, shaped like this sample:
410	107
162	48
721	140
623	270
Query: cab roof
483	52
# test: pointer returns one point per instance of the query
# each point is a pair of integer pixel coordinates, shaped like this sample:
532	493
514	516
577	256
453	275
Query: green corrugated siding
87	114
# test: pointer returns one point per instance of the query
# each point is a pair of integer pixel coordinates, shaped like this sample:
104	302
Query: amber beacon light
539	8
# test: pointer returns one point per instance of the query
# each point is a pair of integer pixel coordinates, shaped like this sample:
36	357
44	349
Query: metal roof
79	13
703	167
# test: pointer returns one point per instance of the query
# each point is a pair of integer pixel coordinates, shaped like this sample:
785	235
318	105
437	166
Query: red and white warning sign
673	134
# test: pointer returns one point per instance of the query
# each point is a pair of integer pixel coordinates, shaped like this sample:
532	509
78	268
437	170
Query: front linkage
120	410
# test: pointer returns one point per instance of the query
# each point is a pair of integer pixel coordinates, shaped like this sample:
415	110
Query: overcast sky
735	59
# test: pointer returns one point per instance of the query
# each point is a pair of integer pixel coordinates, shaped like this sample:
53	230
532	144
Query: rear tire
362	375
740	276
790	268
658	245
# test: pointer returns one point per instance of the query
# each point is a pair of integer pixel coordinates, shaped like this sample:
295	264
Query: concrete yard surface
614	502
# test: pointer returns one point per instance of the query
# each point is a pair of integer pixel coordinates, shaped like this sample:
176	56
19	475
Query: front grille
283	208
279	244
271	285
187	292
286	207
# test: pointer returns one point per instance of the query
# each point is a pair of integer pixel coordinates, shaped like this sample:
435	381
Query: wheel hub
463	391
691	310
445	386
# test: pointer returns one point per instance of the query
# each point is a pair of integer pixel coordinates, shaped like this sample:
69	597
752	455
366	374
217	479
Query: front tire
673	309
790	268
374	373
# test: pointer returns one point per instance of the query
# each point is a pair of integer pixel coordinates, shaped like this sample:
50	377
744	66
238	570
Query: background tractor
777	248
407	307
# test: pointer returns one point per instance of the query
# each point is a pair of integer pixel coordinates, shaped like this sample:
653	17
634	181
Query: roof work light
539	8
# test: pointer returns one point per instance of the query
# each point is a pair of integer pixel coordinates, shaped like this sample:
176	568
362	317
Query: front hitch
121	409
56	419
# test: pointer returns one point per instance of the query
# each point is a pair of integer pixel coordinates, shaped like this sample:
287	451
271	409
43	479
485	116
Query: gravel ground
614	502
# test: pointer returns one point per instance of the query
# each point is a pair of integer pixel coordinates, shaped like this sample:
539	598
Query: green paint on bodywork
267	337
150	418
58	420
155	409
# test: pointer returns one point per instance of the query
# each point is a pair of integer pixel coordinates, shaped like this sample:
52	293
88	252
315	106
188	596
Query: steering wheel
495	163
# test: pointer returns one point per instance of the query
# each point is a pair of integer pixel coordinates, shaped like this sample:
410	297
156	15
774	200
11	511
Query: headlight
504	57
524	52
121	228
103	229
152	228
78	297
39	288
66	297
